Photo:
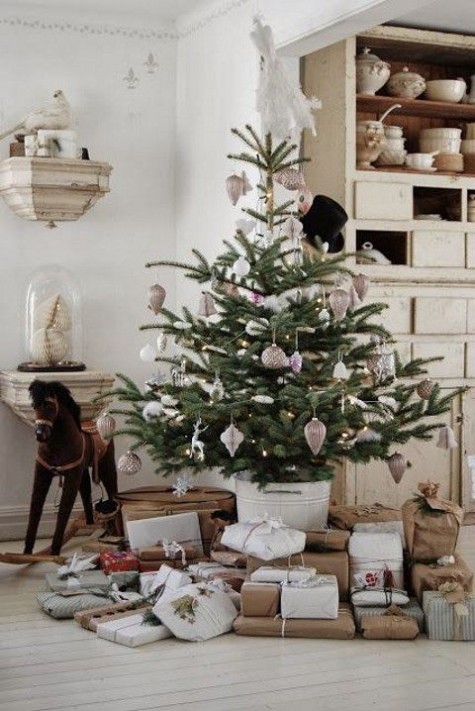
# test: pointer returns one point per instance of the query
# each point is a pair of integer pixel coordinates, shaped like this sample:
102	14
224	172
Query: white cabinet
383	201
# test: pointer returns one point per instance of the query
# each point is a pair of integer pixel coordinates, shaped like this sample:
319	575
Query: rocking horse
66	451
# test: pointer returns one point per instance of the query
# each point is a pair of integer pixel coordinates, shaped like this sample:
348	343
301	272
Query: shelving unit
430	284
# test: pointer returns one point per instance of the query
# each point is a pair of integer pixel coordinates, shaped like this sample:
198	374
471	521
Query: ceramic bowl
468	146
450	90
395	144
391	157
393	131
444	145
440	133
420	161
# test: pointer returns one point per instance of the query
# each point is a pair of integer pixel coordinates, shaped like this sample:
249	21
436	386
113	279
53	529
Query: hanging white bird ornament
55	115
280	101
232	438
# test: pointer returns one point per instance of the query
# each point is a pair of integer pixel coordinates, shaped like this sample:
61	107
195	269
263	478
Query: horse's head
47	400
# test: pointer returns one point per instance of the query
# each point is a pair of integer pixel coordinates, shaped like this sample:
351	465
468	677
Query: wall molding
14	520
197	25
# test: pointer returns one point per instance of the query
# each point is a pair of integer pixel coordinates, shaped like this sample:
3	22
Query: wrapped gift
276	574
63	605
166	578
78	581
89	619
376	559
196	613
341	628
265	538
118	561
382	527
260	599
345	517
206	526
431	525
169	550
429	577
378	597
207	569
227	557
126	580
132	631
327	539
412	608
449	613
313	599
331	563
392	624
183	528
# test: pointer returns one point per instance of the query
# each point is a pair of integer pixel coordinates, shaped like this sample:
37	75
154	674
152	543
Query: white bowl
391	157
395	144
393	131
420	161
444	145
468	146
450	90
440	133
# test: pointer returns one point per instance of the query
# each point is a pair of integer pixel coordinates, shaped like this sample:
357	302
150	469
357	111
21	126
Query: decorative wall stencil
130	79
98	30
151	65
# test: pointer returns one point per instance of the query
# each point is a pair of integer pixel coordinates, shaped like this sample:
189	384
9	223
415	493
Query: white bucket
301	505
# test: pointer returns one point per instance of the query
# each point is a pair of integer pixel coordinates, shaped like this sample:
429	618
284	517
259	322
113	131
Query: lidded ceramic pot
406	84
371	72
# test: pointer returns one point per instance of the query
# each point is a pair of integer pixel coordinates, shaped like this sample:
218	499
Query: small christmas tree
284	372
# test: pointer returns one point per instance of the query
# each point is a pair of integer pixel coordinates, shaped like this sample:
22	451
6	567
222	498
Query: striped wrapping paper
413	609
442	621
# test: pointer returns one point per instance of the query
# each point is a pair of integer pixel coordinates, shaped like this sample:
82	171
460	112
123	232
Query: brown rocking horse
66	451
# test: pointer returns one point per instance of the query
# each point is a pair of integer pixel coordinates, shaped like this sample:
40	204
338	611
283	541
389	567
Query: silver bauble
106	425
315	432
425	388
290	179
274	357
129	463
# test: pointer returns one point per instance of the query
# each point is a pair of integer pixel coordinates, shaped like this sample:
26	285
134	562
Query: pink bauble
274	357
315	432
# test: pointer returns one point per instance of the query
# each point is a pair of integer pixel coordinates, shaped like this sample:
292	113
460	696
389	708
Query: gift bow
429	489
76	566
171	549
455	596
270	524
311	582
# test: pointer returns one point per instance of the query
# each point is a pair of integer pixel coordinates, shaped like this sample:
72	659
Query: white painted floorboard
49	665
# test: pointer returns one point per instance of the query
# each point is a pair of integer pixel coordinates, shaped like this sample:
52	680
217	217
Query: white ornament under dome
232	438
148	353
152	410
241	267
315	432
129	463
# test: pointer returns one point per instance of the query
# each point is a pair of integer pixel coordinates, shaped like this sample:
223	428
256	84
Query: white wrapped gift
378	597
313	599
131	632
271	574
373	556
78	581
265	538
196	613
447	619
381	527
166	578
182	528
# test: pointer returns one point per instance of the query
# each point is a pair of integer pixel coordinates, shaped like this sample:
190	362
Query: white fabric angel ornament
284	109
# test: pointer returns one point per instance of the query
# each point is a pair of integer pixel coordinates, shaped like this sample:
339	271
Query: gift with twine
393	624
430	577
327	539
345	517
260	599
431	525
450	613
341	628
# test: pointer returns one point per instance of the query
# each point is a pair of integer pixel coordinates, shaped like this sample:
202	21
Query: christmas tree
284	372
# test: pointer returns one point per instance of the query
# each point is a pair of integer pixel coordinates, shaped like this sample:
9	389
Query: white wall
106	249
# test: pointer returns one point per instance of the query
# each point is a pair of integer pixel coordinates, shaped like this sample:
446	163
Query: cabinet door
374	483
438	248
437	316
383	201
453	363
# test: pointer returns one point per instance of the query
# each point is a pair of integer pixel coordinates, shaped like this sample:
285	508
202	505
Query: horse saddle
99	447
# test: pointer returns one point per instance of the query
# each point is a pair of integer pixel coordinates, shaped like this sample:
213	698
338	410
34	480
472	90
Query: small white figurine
55	115
197	445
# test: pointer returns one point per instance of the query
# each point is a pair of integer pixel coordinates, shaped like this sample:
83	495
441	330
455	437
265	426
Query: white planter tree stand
302	505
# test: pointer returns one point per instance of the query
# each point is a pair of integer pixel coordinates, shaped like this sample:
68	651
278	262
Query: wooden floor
47	664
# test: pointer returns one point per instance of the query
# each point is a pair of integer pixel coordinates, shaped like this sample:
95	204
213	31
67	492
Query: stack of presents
195	574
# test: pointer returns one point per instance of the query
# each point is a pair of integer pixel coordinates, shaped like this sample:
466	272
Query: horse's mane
40	390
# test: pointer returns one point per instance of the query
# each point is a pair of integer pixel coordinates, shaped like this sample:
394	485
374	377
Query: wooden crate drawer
397	317
438	248
383	201
452	366
470	360
470	250
432	315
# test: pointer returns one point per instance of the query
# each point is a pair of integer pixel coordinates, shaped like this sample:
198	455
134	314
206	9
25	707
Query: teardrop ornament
339	301
156	297
397	464
232	438
315	432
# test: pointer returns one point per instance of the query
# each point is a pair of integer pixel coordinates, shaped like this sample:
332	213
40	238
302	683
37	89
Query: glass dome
53	330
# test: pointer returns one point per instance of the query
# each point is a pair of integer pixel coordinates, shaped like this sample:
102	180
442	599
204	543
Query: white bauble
148	354
152	410
241	267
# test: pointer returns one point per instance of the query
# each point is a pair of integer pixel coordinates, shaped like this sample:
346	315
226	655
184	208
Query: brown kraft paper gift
84	617
341	628
331	539
260	599
394	624
429	577
330	563
431	525
158	553
345	517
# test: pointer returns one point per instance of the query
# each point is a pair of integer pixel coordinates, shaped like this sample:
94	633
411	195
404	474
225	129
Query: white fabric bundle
196	613
265	538
374	554
381	527
313	599
131	632
378	597
166	578
270	574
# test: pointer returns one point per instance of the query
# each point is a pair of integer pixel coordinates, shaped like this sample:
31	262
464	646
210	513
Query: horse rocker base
68	451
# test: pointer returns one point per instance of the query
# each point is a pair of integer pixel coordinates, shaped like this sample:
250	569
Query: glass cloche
53	321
